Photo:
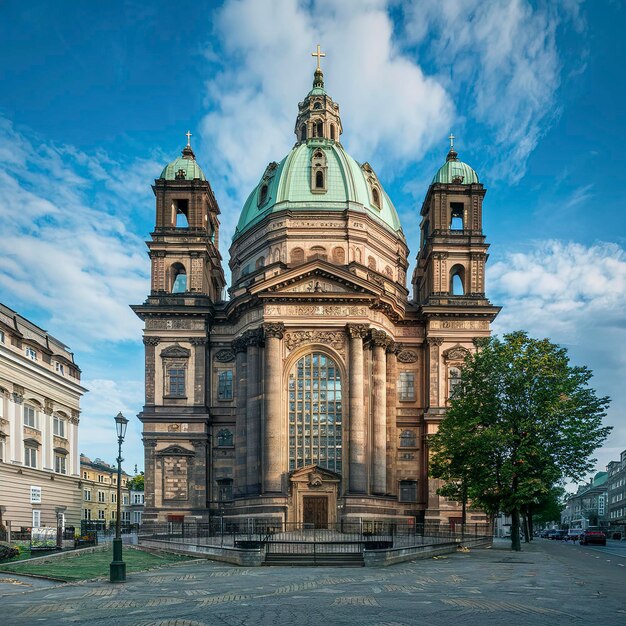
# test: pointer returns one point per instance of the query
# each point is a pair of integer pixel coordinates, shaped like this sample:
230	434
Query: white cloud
576	296
97	429
391	111
66	242
501	62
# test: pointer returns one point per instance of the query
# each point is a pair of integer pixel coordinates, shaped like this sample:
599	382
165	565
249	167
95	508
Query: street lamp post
118	567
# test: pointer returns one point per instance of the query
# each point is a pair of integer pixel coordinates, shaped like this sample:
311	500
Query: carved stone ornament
175	450
198	341
224	356
253	337
407	356
457	353
48	406
434	341
334	339
315	480
274	329
356	331
173	428
175	352
75	417
151	341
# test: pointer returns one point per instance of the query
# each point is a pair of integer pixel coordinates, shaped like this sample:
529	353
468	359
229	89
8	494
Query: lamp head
120	424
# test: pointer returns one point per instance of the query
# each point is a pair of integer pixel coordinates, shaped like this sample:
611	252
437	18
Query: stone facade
309	394
40	393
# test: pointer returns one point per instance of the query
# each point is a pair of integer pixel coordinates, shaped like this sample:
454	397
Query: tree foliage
521	420
136	483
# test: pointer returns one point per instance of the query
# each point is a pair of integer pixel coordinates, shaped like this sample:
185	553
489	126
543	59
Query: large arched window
454	380
315	413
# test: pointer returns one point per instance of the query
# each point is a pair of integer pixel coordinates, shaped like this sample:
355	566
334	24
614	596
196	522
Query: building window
319	180
100	478
454	380
408	491
101	514
137	518
35	495
1	450
58	426
126	516
176	382
375	197
408	439
30	418
457	276
113	515
30	456
225	385
225	438
263	195
59	368
179	278
125	499
31	353
315	413
113	497
36	518
101	496
60	466
87	514
297	256
1	336
406	386
85	475
138	498
87	495
225	486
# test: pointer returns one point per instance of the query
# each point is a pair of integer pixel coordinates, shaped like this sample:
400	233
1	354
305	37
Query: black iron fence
274	535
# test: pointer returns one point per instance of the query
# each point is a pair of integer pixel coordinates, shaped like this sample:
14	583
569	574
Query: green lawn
92	565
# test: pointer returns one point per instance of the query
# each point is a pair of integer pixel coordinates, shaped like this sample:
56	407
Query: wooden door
315	511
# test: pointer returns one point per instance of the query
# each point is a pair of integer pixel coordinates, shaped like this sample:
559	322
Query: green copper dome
289	185
184	167
456	172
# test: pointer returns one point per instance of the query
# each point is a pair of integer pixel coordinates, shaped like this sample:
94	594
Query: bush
8	551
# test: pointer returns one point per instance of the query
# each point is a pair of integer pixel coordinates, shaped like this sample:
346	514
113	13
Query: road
547	584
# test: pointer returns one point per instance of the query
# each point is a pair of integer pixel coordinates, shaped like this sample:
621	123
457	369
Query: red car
592	536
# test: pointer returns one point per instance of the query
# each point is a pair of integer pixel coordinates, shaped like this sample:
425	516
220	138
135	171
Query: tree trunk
464	511
515	542
529	522
525	523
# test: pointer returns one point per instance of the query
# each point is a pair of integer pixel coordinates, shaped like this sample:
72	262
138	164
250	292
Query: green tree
521	420
136	483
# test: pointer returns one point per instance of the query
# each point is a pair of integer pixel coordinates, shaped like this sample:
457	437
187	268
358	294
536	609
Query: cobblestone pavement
483	587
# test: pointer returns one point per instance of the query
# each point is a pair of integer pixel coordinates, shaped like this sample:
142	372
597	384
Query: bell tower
453	252
187	280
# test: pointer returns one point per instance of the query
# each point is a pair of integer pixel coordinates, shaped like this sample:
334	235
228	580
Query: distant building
40	394
588	506
134	512
99	484
616	494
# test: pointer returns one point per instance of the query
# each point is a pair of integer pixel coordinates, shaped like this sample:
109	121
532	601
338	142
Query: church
306	395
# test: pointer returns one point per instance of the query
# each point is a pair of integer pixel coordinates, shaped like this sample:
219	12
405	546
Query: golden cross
188	138
451	138
318	54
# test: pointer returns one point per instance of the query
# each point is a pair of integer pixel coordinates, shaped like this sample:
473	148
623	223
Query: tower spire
318	80
452	153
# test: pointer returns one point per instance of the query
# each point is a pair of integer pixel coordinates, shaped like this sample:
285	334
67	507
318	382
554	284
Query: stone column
253	414
241	372
74	420
17	436
151	497
200	373
379	412
272	452
357	438
392	431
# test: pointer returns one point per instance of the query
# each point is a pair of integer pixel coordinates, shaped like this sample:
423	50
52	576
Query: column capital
239	345
48	407
274	329
379	338
198	341
253	337
151	341
356	331
434	341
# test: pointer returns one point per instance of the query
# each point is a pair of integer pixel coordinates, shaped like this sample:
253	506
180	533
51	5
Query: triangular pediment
310	470
317	278
175	450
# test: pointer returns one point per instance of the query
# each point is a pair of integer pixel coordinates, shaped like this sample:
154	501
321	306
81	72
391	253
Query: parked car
592	536
545	534
574	533
559	534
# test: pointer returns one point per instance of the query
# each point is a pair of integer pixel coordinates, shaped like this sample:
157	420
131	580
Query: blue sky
97	97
